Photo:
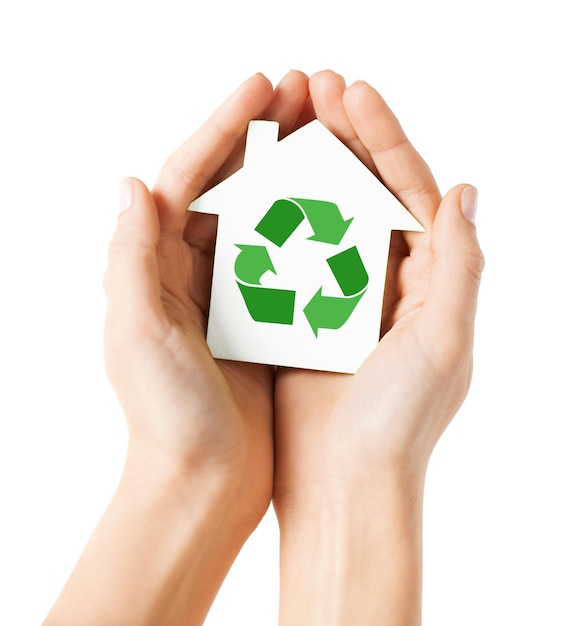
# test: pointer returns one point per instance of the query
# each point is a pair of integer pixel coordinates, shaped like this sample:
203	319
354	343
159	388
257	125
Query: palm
232	402
221	395
362	416
360	412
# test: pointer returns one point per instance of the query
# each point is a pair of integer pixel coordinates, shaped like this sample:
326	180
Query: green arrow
329	312
349	271
275	306
326	220
280	221
252	263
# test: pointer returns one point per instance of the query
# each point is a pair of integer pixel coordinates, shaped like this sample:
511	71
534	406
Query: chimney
261	138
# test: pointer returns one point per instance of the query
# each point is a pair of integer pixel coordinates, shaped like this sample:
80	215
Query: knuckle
474	264
193	178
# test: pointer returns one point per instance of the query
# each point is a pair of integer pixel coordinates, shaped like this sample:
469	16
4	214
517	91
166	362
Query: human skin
209	440
352	450
199	468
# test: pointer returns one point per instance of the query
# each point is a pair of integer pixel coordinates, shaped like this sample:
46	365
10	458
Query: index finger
401	167
189	169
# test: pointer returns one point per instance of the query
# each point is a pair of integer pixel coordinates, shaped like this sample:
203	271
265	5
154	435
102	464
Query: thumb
450	307
131	282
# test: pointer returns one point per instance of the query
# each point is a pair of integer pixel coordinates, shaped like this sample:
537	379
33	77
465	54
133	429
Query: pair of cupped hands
276	432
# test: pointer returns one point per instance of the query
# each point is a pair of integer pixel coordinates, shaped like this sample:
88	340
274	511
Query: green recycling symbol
276	306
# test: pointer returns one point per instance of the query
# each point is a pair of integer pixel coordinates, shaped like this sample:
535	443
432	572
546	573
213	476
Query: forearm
352	555
160	531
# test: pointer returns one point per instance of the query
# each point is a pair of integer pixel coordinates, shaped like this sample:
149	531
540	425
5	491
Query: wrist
351	553
341	482
343	497
168	530
156	470
227	489
152	534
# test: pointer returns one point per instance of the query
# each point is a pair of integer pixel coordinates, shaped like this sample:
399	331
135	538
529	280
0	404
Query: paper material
301	252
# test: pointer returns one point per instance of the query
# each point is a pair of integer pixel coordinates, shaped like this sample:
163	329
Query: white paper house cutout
309	164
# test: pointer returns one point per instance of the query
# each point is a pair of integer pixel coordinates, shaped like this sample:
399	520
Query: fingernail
468	203
126	194
256	74
243	84
299	72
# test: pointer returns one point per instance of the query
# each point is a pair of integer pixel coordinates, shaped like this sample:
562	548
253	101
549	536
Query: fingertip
293	81
132	193
457	267
293	85
258	77
457	208
327	76
469	203
258	86
326	88
253	94
132	249
289	101
358	84
262	82
360	94
125	194
138	217
357	87
454	230
460	201
295	75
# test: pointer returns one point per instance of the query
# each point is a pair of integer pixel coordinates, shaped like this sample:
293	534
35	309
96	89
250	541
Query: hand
181	405
402	398
351	451
198	474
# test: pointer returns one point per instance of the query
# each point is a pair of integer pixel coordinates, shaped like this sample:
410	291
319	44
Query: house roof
310	162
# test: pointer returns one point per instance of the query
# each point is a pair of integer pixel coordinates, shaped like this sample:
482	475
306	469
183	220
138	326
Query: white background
91	92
